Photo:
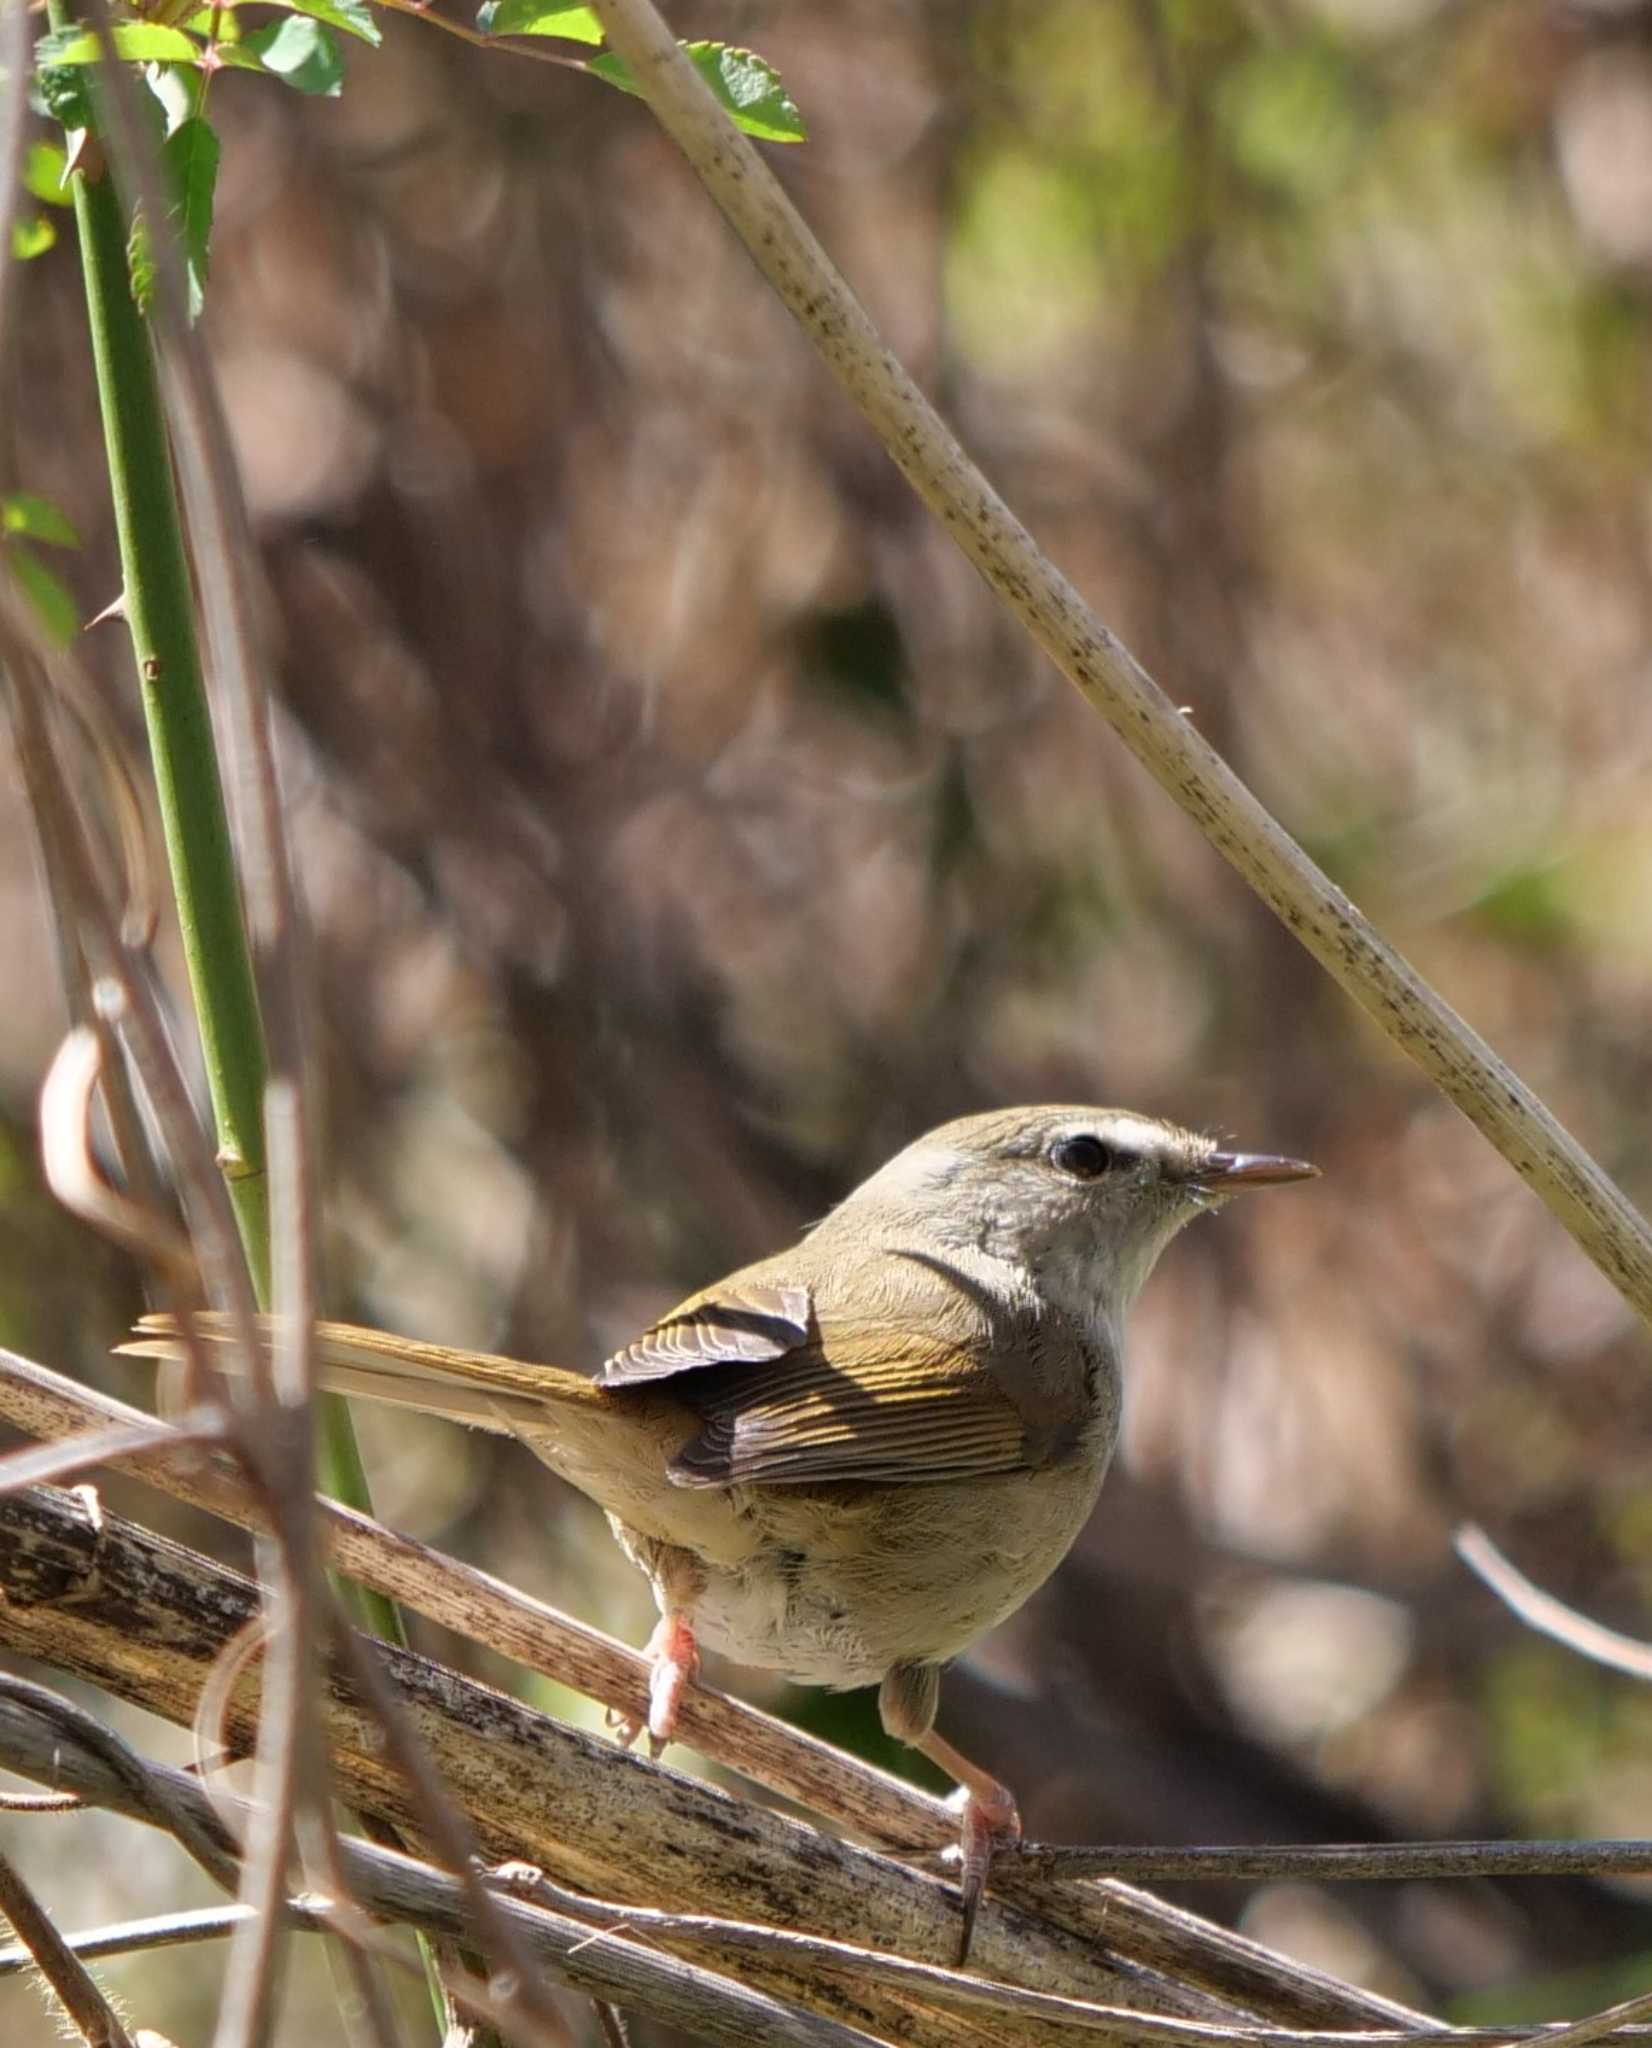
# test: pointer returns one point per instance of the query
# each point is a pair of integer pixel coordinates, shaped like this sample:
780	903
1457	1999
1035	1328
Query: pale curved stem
1461	1064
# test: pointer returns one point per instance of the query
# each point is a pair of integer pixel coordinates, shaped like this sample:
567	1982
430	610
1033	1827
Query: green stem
160	614
159	607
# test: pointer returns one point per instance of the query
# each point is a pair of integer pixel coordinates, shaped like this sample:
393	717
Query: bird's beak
1228	1172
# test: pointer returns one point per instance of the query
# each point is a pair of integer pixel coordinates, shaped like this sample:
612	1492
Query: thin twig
159	1930
58	826
58	1464
68	1976
72	1171
129	999
246	2011
514	46
1549	1616
47	797
1611	2019
1341	1861
136	830
452	1835
1171	748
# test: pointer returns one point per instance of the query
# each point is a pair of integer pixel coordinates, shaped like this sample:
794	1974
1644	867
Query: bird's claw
988	1820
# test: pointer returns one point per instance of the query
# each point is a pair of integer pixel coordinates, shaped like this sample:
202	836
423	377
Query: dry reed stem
1157	1938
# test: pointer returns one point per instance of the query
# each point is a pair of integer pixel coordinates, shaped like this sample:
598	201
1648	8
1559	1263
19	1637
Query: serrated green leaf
177	88
191	159
538	18
43	168
21	512
301	53
33	236
53	605
743	82
140	42
352	16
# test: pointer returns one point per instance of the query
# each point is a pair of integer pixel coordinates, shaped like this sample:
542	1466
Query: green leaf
190	155
215	25
54	606
178	89
237	57
353	16
23	513
300	52
140	42
745	84
33	237
190	158
44	165
536	18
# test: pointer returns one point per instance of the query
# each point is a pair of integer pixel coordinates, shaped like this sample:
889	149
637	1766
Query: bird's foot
675	1659
988	1817
988	1820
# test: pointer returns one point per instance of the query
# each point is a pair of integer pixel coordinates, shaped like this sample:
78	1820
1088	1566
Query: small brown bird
849	1461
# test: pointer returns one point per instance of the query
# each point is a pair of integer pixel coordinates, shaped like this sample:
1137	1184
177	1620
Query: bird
849	1461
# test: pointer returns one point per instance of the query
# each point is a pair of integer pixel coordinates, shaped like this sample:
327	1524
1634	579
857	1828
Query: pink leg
988	1820
675	1657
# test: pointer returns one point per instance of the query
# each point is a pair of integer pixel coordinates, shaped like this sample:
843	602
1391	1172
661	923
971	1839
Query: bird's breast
841	1584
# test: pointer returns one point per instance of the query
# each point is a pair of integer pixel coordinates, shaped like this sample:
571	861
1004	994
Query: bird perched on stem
849	1461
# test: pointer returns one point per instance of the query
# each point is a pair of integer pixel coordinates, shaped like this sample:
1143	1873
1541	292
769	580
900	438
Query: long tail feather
500	1394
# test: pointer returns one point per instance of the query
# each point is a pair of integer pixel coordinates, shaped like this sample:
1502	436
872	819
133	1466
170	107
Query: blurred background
684	829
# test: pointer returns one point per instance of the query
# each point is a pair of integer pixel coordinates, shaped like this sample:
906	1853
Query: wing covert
741	1323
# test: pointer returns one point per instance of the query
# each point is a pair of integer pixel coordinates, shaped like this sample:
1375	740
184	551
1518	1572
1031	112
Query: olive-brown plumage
849	1461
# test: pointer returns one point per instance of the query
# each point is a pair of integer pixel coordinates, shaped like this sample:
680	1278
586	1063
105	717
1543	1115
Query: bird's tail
502	1394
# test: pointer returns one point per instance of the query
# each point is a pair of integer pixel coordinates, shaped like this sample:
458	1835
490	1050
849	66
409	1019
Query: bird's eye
1085	1158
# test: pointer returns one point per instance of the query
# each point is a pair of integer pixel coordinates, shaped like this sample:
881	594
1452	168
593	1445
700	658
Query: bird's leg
672	1653
988	1820
988	1816
674	1657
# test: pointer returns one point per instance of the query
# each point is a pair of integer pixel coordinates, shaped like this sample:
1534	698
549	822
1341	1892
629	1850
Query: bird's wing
747	1321
783	1402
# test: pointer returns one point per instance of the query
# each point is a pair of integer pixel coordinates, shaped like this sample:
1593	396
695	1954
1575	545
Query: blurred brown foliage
683	829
